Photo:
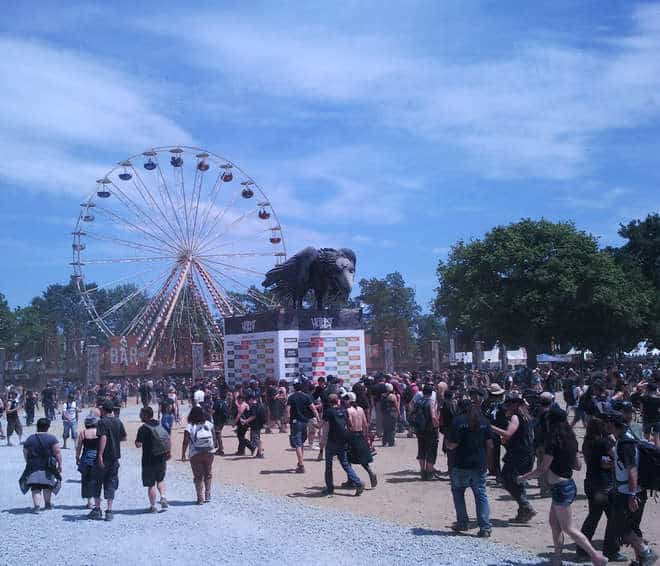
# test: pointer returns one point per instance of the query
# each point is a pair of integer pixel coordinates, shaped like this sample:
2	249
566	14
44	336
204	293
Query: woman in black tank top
86	451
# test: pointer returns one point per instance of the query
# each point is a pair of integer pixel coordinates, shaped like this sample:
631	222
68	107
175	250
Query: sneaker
348	485
581	556
373	478
109	516
260	456
36	510
648	557
359	490
484	533
152	509
327	492
458	528
164	504
219	453
95	514
200	502
524	515
618	557
300	469
48	506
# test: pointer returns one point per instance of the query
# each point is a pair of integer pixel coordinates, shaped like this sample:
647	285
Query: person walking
470	437
425	422
559	460
337	445
30	406
43	466
241	428
255	418
13	419
519	457
358	447
390	408
198	444
220	418
87	447
155	442
111	433
597	450
301	410
69	420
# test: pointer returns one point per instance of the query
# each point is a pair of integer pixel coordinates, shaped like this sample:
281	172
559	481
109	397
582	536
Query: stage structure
289	343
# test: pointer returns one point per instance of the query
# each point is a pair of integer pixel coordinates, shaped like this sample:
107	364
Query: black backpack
649	465
160	440
420	419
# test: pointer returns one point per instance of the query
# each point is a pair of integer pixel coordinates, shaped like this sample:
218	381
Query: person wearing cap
629	498
519	457
87	445
559	461
493	411
111	433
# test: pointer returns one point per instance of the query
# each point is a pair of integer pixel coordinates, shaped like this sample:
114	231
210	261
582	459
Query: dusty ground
400	496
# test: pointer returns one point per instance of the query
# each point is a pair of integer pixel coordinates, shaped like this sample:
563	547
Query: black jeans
243	442
389	426
514	467
599	503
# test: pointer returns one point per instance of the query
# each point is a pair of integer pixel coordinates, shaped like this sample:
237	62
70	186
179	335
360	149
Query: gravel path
236	527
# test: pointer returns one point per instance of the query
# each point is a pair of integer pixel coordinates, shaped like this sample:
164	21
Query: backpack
202	438
420	419
648	472
160	440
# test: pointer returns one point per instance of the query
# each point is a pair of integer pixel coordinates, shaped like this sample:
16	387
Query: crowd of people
510	425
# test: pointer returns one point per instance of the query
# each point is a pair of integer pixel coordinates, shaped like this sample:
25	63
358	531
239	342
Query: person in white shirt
70	420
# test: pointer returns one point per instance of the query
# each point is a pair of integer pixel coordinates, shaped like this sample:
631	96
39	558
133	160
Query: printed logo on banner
290	365
318	364
230	352
355	367
290	352
344	372
342	354
318	374
230	364
322	322
270	371
269	360
245	366
353	357
330	338
261	356
342	363
305	360
270	351
329	349
318	354
353	338
342	343
304	344
291	339
331	359
291	374
248	325
354	348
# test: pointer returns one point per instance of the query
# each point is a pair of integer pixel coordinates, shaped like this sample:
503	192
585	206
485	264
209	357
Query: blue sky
392	128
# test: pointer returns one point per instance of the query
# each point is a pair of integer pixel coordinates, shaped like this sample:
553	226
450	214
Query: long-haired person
200	446
519	457
597	449
559	460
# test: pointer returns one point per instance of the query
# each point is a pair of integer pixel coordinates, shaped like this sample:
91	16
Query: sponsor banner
288	319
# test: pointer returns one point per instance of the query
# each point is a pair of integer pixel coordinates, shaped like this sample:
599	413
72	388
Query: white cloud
59	106
534	113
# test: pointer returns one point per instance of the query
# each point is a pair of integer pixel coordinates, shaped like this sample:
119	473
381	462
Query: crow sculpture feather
326	271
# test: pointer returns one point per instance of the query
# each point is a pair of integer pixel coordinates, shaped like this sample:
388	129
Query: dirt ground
400	496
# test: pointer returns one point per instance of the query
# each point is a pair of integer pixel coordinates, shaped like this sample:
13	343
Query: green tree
640	259
7	323
432	327
532	282
389	306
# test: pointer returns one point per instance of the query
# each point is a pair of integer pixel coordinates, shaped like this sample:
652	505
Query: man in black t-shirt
111	433
154	465
13	421
649	401
301	410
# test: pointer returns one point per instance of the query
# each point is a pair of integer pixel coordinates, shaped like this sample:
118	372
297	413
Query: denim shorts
298	434
563	493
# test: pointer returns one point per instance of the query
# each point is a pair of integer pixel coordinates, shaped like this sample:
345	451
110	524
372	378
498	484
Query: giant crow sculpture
326	271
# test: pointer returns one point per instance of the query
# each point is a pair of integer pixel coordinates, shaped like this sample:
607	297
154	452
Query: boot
319	458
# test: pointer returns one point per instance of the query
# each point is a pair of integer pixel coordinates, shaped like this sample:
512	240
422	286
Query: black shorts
108	479
427	446
153	473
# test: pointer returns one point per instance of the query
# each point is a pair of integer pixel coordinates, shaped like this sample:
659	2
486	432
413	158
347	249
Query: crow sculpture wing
328	272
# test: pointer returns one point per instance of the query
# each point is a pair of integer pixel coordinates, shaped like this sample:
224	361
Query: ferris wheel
165	243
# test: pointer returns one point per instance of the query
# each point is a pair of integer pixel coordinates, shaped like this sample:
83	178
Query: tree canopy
533	282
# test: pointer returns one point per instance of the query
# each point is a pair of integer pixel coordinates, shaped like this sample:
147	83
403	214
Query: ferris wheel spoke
114	282
217	219
140	214
238	254
219	297
133	227
250	290
127	243
234	267
229	226
242	239
139	325
209	206
126	259
165	188
139	182
118	306
184	201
